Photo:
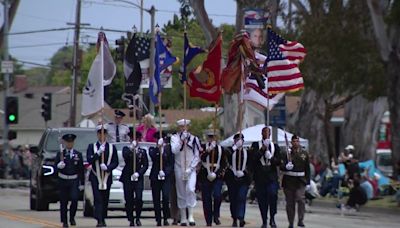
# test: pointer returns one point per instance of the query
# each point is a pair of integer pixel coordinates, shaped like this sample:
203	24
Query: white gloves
308	188
188	171
160	142
268	155
234	147
101	149
239	143
239	173
133	145
289	166
136	175
266	142
103	167
184	135
211	146
81	187
161	173
211	176
61	165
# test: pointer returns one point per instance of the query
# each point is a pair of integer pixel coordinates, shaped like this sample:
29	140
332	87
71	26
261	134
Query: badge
303	156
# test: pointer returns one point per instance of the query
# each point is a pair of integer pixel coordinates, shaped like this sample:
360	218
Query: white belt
67	177
294	174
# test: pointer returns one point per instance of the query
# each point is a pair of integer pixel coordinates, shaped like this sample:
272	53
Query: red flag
205	81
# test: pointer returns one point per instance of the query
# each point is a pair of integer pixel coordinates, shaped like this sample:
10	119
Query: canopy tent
253	134
370	165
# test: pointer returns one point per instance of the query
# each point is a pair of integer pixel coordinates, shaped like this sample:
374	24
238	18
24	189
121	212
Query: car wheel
87	208
41	203
32	204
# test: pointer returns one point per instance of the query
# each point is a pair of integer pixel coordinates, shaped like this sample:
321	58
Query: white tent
253	134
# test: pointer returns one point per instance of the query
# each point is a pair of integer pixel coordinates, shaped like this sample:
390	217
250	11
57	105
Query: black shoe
99	224
166	223
290	226
65	224
242	223
131	223
138	223
104	223
272	223
208	224
216	221
301	224
192	223
72	222
234	223
183	224
175	222
159	223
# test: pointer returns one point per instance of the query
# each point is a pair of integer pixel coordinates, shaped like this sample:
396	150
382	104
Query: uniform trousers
69	191
267	197
237	198
185	190
292	196
133	194
101	198
161	188
174	200
211	193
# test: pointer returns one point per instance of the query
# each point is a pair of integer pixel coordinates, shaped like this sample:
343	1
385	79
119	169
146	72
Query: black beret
119	113
237	136
69	137
295	137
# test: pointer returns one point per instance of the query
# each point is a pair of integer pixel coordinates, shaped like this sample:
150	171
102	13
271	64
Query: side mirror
34	149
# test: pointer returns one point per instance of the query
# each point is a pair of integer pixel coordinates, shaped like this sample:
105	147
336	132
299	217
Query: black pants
133	194
158	189
69	191
267	196
212	198
100	201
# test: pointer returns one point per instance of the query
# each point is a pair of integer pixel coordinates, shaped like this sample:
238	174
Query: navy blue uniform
161	186
211	190
133	190
69	179
101	196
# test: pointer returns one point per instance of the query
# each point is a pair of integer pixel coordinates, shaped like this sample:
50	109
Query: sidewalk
11	183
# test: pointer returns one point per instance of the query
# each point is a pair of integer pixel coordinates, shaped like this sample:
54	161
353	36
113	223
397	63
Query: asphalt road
15	213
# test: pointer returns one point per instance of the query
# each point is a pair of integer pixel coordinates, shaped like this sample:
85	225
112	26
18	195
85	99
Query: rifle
61	145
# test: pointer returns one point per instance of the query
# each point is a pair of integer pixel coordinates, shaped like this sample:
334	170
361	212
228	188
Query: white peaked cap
183	122
349	147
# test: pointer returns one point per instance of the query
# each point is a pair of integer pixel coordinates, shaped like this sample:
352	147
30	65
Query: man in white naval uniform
118	132
186	148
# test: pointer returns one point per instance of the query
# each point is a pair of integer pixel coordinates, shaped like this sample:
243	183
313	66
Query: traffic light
120	49
46	106
12	110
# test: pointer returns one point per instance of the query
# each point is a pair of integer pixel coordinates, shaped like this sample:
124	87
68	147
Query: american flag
142	48
281	64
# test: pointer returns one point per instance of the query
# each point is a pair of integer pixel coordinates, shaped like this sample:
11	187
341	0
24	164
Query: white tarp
253	134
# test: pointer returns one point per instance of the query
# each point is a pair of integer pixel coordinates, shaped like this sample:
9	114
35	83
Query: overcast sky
111	14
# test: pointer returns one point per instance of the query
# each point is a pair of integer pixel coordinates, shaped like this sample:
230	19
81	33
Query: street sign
7	67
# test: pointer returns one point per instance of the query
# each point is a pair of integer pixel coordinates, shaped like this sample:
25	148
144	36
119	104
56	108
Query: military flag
190	52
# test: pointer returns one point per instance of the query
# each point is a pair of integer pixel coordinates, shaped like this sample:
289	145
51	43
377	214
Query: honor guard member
118	132
160	177
136	164
70	178
266	161
238	179
186	149
296	176
103	158
211	178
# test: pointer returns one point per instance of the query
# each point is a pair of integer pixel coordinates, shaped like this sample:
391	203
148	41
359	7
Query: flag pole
159	113
134	134
102	174
241	104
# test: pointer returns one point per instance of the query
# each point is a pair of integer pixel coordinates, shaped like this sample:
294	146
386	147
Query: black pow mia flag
138	50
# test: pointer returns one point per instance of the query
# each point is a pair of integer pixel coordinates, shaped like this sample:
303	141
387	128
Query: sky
33	15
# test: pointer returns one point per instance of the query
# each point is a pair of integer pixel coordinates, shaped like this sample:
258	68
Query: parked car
43	181
384	161
116	200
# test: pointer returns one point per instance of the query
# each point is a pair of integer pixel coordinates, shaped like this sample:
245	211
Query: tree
385	16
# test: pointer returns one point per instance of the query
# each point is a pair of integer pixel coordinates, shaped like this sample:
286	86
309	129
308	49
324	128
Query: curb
7	183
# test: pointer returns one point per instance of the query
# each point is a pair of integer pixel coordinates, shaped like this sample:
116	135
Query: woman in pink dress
147	128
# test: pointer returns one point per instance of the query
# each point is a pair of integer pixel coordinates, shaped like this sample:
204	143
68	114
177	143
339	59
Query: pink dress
147	136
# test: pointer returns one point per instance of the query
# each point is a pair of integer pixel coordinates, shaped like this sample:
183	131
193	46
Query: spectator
347	154
147	128
367	186
357	196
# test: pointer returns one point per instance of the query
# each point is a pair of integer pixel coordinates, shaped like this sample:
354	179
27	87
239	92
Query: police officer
160	177
238	179
103	158
136	164
118	132
296	177
211	176
70	178
186	149
266	161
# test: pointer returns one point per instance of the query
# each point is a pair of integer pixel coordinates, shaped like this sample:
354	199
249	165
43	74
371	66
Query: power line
38	45
40	31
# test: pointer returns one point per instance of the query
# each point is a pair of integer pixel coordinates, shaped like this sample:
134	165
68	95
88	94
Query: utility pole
75	65
6	57
141	16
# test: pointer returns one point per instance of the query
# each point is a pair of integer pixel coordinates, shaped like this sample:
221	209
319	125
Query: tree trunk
361	125
202	17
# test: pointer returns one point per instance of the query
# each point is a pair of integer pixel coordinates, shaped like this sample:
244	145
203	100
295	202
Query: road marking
28	220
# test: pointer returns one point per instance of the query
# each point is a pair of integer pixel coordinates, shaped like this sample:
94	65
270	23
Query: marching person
118	132
266	160
160	177
103	158
70	172
296	178
136	164
238	179
211	177
186	149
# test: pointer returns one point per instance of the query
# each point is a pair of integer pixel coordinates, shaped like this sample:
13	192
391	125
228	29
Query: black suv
43	182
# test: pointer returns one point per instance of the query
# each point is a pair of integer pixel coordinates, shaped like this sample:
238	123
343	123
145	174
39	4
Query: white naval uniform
123	131
186	195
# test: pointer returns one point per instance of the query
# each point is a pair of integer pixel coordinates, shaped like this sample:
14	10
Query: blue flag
162	59
189	53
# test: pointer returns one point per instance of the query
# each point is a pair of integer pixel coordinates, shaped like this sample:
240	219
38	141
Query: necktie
117	133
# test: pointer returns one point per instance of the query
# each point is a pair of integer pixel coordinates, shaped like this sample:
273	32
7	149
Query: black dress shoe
131	223
234	223
264	226
272	223
208	224
242	223
290	226
138	223
175	222
217	222
72	222
192	223
159	223
166	223
99	224
65	224
183	224
301	224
